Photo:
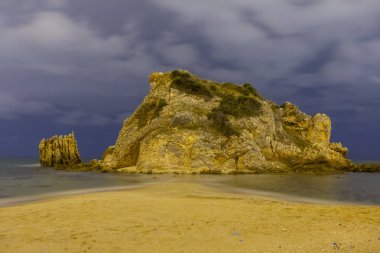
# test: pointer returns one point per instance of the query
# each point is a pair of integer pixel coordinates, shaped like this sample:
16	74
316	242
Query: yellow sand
181	217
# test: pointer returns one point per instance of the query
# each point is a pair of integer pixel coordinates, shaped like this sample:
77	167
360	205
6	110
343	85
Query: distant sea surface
23	180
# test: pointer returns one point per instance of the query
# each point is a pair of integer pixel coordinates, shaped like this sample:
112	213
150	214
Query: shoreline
37	198
178	178
186	217
96	167
297	199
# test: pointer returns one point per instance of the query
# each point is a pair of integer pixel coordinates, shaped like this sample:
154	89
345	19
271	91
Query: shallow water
362	188
24	180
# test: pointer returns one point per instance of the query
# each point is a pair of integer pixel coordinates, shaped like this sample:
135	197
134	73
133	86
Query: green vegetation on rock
221	124
237	101
240	106
190	84
149	111
187	83
236	106
250	90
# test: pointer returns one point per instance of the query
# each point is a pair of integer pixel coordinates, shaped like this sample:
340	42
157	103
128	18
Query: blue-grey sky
82	65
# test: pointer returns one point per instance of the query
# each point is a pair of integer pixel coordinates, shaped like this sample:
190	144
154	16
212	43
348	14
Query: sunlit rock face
59	151
190	125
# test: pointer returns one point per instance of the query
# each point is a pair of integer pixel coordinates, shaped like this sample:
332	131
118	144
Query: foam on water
32	165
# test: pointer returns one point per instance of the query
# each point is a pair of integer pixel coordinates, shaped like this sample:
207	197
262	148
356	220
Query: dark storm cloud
60	62
86	62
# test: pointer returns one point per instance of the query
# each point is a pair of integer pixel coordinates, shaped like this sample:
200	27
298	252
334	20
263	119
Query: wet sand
186	217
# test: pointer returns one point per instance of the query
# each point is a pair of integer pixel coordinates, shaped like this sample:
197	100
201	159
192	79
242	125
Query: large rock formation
59	151
190	125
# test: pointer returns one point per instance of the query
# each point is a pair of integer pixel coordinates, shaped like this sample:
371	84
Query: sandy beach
186	217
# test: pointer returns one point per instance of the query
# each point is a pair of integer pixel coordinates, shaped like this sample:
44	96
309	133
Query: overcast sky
82	65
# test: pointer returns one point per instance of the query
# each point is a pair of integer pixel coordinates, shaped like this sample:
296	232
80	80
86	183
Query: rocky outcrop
365	167
190	125
59	151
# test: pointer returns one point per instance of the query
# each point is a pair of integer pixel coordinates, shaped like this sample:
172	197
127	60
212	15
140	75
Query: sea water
359	188
23	180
